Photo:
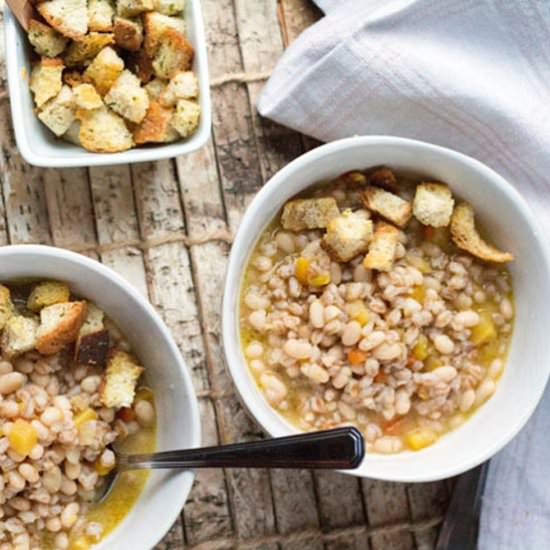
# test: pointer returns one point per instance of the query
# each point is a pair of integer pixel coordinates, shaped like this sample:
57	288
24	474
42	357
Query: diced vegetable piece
421	348
81	543
320	280
22	437
357	356
101	469
485	330
84	416
419	293
420	438
432	363
300	269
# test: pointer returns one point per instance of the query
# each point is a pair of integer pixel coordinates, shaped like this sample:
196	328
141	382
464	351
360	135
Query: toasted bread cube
46	80
46	41
100	14
155	88
465	236
59	326
155	24
7	309
433	204
184	85
59	113
92	345
72	135
19	336
128	33
121	379
382	247
299	214
69	17
93	321
169	7
86	97
46	294
105	69
131	8
389	206
83	51
140	64
383	177
103	131
347	236
186	118
156	127
72	78
174	54
127	98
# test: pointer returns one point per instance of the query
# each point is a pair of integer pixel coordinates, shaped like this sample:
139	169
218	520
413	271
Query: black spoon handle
341	448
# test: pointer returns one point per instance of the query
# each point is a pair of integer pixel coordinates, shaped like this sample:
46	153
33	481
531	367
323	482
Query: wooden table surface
167	228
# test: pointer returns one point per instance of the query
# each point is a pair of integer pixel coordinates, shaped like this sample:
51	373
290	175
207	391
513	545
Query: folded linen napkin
473	75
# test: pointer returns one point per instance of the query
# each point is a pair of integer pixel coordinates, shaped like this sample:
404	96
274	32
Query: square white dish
40	147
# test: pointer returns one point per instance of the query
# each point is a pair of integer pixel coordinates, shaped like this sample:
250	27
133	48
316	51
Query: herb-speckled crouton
121	379
18	336
128	33
69	17
347	236
382	247
59	113
86	97
131	8
465	236
173	55
92	345
433	204
127	98
72	135
184	85
100	13
46	80
46	41
103	131
83	51
299	214
155	24
59	326
156	127
6	306
186	118
169	7
47	293
104	69
155	88
389	206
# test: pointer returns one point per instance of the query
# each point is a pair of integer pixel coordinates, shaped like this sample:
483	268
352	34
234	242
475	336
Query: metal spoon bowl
337	449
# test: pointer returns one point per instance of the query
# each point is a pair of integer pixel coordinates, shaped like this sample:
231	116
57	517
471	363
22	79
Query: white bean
402	402
51	416
275	389
70	515
507	309
316	314
468	318
374	339
254	350
11	382
315	372
145	413
446	373
351	334
495	368
443	344
285	242
387	352
388	444
484	391
258	320
297	349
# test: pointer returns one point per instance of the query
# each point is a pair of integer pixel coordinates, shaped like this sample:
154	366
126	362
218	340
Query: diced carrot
126	414
393	426
301	268
357	356
380	378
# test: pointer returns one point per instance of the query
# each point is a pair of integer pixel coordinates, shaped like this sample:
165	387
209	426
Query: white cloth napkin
473	75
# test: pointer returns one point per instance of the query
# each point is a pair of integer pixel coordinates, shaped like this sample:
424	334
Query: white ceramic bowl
39	146
509	222
178	417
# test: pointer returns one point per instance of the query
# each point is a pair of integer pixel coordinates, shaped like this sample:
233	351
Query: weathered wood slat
427	500
296	16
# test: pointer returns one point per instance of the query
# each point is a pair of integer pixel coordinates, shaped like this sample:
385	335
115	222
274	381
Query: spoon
340	448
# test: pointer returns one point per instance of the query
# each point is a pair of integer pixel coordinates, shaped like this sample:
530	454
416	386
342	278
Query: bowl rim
83	158
184	478
232	354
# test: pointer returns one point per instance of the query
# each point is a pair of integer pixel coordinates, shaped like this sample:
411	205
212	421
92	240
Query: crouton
69	17
46	80
154	25
46	294
72	78
382	247
83	51
127	98
100	15
389	206
131	8
383	177
58	114
46	41
186	118
347	236
72	135
169	7
92	345
103	131
183	85
128	33
155	88
121	378
19	336
104	69
173	55
86	97
59	326
433	204
465	236
353	178
155	127
299	214
140	64
6	306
